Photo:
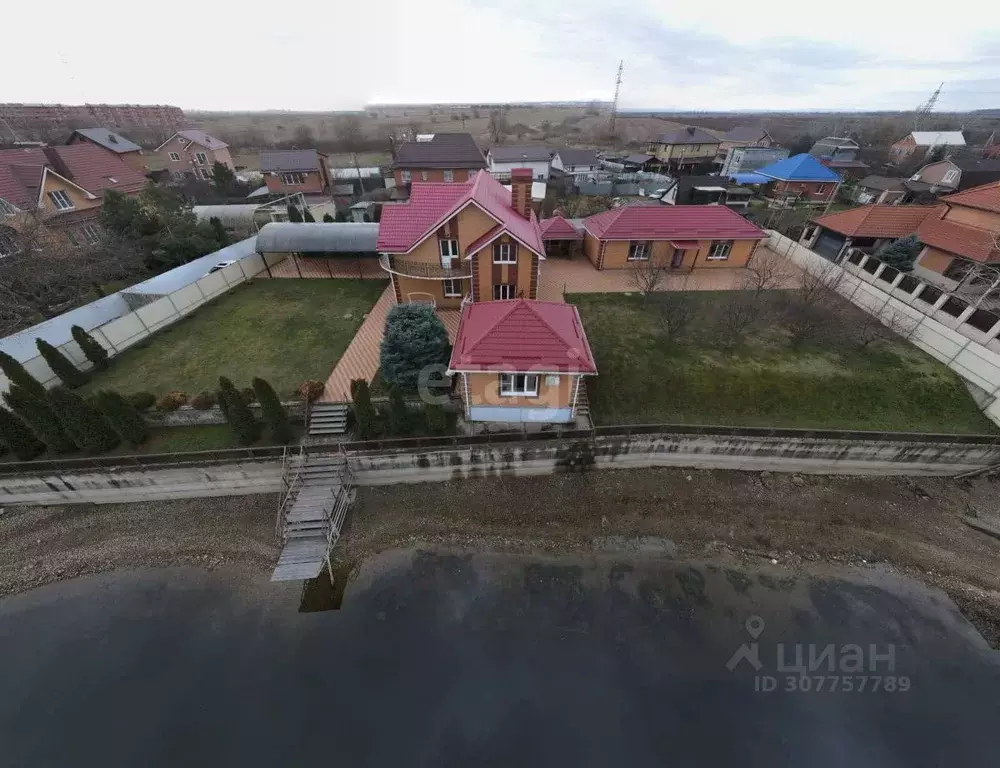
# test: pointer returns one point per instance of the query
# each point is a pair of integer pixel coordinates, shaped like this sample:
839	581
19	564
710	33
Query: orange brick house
447	158
521	361
965	234
683	237
193	153
295	170
452	241
127	151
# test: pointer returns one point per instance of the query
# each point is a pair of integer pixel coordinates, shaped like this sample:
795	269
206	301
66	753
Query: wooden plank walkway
318	267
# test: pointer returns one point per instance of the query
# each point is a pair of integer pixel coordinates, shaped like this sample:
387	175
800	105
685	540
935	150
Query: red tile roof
985	198
557	228
404	225
960	239
879	220
671	222
521	336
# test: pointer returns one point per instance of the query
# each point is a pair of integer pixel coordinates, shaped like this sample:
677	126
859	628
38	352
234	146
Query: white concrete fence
972	354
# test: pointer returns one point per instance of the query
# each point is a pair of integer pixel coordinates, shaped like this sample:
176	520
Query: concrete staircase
327	419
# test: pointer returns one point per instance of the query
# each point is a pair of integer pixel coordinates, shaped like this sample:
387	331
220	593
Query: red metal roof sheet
522	336
879	220
557	228
672	222
986	197
960	239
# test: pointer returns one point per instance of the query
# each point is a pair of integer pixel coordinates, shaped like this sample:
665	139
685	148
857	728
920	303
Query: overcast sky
323	55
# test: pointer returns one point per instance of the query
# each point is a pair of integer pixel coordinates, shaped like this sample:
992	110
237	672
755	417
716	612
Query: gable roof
517	154
444	150
109	140
836	142
558	228
638	159
573	156
744	133
689	135
961	239
668	222
198	137
938	138
289	160
523	336
405	225
879	220
985	198
885	183
801	167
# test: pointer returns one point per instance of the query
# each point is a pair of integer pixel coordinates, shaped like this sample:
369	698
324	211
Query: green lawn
285	331
831	382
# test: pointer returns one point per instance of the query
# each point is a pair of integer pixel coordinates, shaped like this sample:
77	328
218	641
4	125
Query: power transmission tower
614	104
925	109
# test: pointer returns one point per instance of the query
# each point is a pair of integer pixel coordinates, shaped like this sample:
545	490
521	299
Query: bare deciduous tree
736	317
807	308
676	307
884	325
767	271
647	275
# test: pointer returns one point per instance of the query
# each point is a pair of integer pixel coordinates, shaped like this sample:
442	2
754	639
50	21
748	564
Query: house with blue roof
802	178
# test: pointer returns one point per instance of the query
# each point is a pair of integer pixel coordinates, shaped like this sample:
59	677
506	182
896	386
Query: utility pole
614	104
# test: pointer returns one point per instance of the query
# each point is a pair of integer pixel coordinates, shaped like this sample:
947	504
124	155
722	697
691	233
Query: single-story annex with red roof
521	361
682	237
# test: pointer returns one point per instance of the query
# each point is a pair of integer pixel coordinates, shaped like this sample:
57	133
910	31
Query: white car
220	265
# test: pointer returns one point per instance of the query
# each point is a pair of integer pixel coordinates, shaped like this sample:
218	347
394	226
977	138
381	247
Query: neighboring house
800	178
439	157
576	162
683	237
749	159
924	142
705	190
503	160
638	162
470	239
684	149
958	173
127	151
868	228
965	235
879	190
840	154
64	186
521	361
743	136
193	153
295	170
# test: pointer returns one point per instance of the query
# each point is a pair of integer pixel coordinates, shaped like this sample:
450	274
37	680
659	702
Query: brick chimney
520	191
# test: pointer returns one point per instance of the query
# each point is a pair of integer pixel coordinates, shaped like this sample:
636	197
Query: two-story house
683	150
922	142
193	153
503	160
742	136
840	154
801	178
295	170
956	174
471	239
448	158
127	151
578	163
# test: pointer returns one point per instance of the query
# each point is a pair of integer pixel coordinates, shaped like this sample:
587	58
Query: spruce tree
17	374
124	418
40	416
220	231
294	214
92	349
902	253
275	415
237	413
61	365
415	339
18	437
90	430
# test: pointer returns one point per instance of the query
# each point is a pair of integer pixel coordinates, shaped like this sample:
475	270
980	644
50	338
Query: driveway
441	659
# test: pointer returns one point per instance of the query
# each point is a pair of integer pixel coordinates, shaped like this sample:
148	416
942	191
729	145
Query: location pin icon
754	625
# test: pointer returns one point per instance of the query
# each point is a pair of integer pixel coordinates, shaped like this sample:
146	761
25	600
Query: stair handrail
282	508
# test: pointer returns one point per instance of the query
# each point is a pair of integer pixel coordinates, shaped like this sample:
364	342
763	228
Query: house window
720	251
503	291
61	200
202	173
504	253
405	177
423	175
201	158
174	157
452	288
821	189
449	176
90	233
950	176
638	250
449	251
515	384
293	179
6	208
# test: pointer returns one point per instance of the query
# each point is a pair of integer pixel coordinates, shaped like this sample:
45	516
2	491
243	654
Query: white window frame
639	250
949	176
58	195
501	256
519	385
293	179
720	250
821	189
174	157
505	288
203	173
201	158
405	177
452	288
449	176
448	250
91	233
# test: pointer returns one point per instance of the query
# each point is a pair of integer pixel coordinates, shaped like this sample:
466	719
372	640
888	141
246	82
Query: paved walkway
322	267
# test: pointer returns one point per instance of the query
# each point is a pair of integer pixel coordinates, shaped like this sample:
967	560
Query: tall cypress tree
40	416
61	365
18	437
275	415
327	218
84	422
124	418
92	349
237	413
17	374
294	214
307	216
220	231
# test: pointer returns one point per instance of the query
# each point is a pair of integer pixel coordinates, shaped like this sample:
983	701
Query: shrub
203	401
401	421
363	411
248	395
275	415
436	419
141	401
307	216
327	218
237	412
123	416
18	437
87	425
310	390
294	214
40	416
171	401
17	374
415	339
92	349
61	365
